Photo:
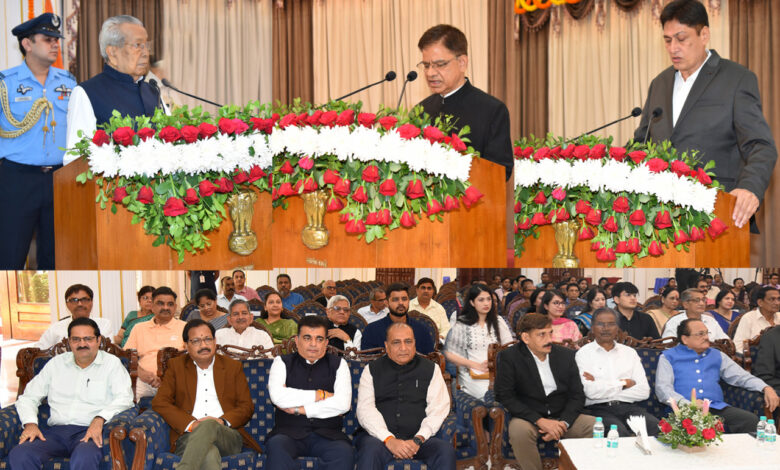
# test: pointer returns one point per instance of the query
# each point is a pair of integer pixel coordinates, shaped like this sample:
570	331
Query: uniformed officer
34	97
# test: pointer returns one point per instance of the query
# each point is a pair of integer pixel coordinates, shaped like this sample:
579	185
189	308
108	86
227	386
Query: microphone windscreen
657	112
390	76
411	76
636	111
166	83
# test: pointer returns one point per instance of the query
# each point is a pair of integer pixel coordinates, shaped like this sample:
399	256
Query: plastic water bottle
612	441
598	434
770	434
761	431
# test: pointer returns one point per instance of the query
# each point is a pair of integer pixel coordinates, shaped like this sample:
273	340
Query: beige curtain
293	75
599	74
219	50
357	41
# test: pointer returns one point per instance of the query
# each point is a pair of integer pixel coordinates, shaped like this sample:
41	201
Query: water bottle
761	431
770	434
612	441
598	434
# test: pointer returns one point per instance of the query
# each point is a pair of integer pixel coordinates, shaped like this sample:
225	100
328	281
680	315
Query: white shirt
248	338
206	399
716	332
59	330
548	380
435	312
223	301
682	88
77	395
436	409
608	368
750	325
288	397
369	314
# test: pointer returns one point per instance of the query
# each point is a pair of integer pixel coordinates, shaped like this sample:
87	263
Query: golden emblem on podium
315	234
243	239
565	237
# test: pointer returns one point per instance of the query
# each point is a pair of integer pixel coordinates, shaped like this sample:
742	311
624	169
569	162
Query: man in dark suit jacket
712	105
767	364
539	383
205	400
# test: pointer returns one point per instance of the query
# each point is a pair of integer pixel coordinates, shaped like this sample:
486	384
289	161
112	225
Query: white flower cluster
616	177
226	153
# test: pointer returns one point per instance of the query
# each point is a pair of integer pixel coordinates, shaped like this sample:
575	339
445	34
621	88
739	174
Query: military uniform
32	135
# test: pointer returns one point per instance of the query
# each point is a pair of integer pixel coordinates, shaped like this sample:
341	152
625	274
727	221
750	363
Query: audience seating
310	307
750	350
433	330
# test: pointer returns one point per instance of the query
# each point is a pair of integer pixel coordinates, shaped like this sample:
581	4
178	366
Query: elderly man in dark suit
539	383
205	400
712	105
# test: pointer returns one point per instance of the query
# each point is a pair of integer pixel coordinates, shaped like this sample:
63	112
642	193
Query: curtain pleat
293	64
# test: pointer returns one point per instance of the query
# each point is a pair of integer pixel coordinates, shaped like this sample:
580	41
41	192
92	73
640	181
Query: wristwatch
297	413
418	440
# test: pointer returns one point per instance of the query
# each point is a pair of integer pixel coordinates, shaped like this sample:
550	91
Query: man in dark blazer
205	400
712	105
539	383
767	364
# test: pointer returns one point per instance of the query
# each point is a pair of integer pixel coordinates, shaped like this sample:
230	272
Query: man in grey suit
710	104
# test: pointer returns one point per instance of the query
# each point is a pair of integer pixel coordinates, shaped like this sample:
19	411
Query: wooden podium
731	249
88	237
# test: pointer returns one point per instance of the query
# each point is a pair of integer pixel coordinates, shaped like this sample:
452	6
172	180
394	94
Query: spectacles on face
86	339
137	46
700	334
557	303
340	309
79	300
436	64
697	300
197	341
605	324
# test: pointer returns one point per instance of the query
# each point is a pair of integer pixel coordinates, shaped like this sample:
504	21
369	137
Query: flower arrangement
690	424
632	201
381	171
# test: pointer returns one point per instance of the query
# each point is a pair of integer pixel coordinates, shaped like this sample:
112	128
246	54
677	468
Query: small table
736	452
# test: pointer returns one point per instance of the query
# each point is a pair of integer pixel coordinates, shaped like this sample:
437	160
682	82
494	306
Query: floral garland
690	424
632	201
381	171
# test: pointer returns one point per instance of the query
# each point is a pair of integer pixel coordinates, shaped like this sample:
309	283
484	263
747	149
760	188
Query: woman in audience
467	342
724	311
553	305
740	293
595	299
670	300
135	317
280	328
207	310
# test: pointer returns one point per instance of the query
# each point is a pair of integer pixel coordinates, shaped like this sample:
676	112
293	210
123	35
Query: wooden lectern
730	249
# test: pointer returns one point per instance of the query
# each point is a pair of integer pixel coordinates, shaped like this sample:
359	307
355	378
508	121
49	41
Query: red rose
407	220
606	254
145	195
637	156
335	204
346	117
206	130
527	152
471	196
559	194
703	177
370	174
524	225
593	217
119	194
657	165
610	225
169	134
145	133
697	234
388	122
622	247
262	125
691	430
191	196
662	220
581	152
123	136
360	195
286	189
101	138
312	120
227	126
595	246
555	152
450	203
189	133
719	426
538	219
518	151
328	118
586	233
224	185
330	177
414	189
433	207
240	177
342	187
620	205
388	188
582	207
680	237
680	168
173	207
541	154
433	134
309	185
633	245
665	427
655	249
457	144
408	131
708	434
306	163
561	214
241	126
597	152
385	218
637	217
286	168
518	207
716	228
568	152
255	173
288	120
366	119
355	226
540	198
617	153
344	218
206	188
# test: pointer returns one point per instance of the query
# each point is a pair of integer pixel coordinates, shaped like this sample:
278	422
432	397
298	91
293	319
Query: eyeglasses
86	339
380	300
700	334
340	309
197	341
697	300
78	300
437	65
557	302
605	325
137	46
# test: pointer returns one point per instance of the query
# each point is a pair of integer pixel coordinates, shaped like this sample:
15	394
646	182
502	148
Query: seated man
341	334
205	400
85	388
402	403
424	303
228	293
241	332
374	336
149	337
539	384
755	321
613	377
328	289
767	362
239	279
312	391
289	298
377	308
78	300
632	320
692	364
694	303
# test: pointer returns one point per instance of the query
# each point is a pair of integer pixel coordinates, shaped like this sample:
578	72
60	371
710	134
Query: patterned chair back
187	310
430	325
356	320
450	305
310	307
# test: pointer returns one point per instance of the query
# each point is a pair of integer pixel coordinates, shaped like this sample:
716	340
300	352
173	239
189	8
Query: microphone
168	84
389	77
634	113
656	112
410	77
156	88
